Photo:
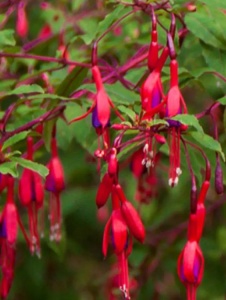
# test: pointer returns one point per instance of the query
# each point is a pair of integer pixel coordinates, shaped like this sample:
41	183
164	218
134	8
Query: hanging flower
175	105
55	185
8	237
31	195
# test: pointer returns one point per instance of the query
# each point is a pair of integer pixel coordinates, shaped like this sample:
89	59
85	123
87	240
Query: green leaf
206	28
215	4
113	16
9	168
222	100
25	163
14	139
127	111
72	82
190	120
215	58
49	97
7	38
75	4
117	93
26	89
208	142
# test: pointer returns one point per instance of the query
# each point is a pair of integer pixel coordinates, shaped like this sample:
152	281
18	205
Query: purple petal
156	97
95	121
3	229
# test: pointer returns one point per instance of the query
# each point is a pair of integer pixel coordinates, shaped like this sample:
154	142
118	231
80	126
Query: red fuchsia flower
190	264
8	237
131	216
22	22
190	268
175	105
116	232
102	103
151	90
116	228
55	184
31	195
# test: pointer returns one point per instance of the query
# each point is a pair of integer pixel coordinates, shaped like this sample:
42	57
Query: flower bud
104	190
133	221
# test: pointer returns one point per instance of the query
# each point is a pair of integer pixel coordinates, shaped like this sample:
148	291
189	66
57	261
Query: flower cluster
154	140
31	189
156	125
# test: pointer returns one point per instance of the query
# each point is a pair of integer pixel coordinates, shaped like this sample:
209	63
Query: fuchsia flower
151	90
55	184
190	268
175	105
22	22
8	237
31	195
117	233
102	104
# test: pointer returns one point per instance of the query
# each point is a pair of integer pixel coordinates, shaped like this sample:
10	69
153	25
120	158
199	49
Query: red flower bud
133	221
104	190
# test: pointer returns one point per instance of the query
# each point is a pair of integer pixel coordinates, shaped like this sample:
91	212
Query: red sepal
133	221
106	237
190	264
119	231
104	190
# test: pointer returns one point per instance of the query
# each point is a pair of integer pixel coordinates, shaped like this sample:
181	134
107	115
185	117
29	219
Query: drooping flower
190	268
175	105
131	216
116	233
55	184
31	195
151	90
8	237
102	103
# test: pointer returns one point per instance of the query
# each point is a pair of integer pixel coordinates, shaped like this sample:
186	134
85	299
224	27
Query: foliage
49	52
